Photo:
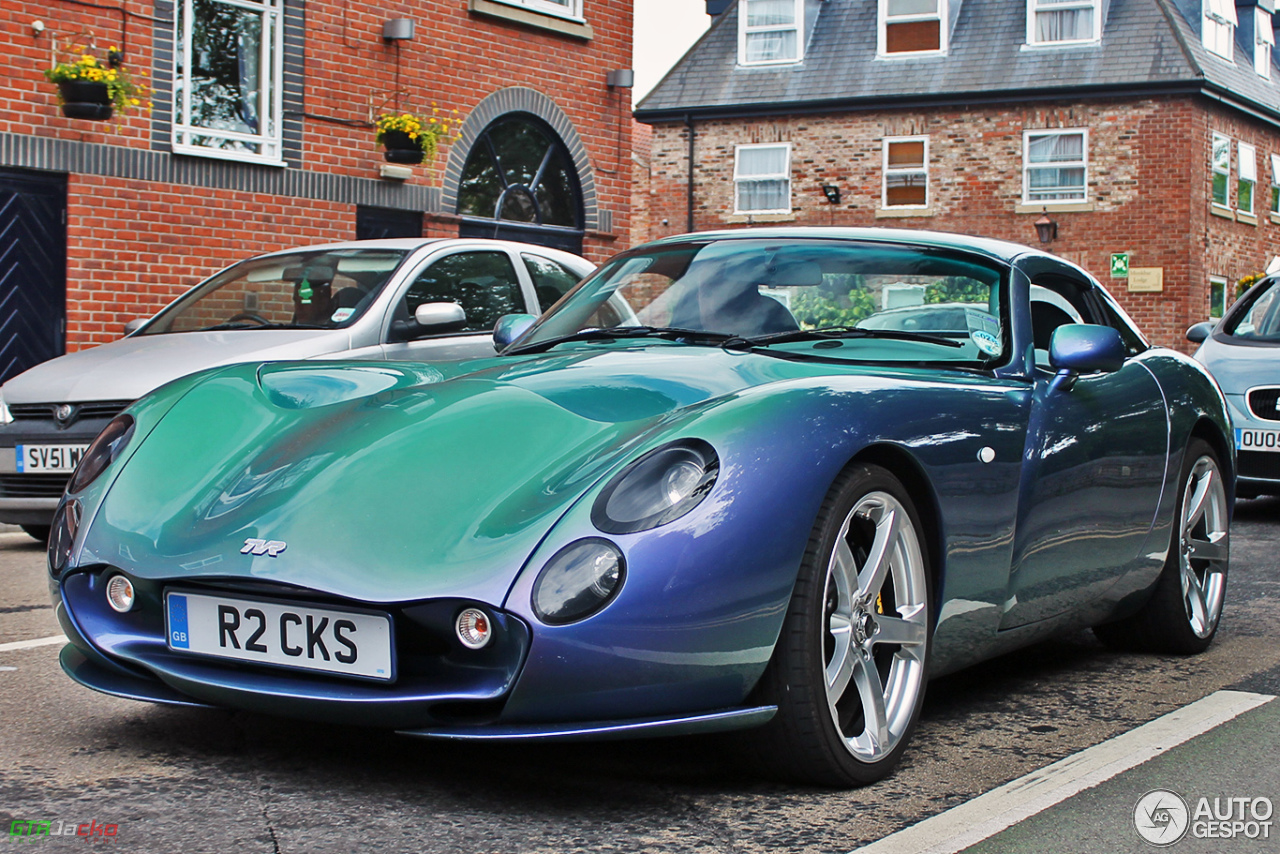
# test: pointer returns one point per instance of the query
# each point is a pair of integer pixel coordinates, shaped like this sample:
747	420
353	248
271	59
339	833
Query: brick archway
521	99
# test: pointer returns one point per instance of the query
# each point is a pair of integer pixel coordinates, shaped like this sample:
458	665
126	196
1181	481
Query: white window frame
1040	6
271	95
1218	27
1247	165
1220	142
882	26
889	171
1264	38
572	11
1028	166
1226	296
738	180
744	31
1274	201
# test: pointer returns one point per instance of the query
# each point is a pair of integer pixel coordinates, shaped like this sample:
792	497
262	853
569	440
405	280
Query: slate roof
1148	46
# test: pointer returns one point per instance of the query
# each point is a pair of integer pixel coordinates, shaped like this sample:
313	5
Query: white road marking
985	816
32	644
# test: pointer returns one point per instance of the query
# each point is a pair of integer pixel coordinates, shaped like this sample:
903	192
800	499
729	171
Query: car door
1094	462
485	280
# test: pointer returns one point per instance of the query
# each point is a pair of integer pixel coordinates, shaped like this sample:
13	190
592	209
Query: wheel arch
907	469
1210	432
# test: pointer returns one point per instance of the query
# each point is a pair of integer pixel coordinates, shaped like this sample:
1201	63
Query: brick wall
1148	187
135	244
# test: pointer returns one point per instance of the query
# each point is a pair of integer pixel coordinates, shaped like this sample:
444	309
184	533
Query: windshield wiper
669	333
829	333
241	324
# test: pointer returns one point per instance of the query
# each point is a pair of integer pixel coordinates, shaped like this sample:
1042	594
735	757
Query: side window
550	280
483	283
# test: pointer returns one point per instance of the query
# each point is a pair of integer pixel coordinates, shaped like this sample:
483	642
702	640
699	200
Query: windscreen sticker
986	342
984	330
342	314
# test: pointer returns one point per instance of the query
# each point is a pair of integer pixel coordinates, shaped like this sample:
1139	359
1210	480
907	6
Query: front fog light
120	594
474	628
578	581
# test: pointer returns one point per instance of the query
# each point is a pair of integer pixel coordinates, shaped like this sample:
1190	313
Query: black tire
1186	605
840	647
39	532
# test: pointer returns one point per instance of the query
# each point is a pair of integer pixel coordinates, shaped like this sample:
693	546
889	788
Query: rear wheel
1183	612
848	673
39	532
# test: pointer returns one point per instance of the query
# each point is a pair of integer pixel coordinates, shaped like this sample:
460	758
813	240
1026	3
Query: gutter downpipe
688	123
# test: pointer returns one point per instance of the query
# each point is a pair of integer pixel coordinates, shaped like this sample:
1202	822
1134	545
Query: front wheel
848	673
1183	613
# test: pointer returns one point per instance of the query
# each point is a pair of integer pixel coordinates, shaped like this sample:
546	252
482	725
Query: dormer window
912	26
1264	38
1052	22
769	32
1219	27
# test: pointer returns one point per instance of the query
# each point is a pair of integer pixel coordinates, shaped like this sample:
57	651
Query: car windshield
323	289
844	299
1257	317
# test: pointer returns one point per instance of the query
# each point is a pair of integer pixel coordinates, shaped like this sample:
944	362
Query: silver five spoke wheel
876	626
1204	546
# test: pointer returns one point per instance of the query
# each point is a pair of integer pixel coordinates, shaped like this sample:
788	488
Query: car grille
32	485
1261	464
1262	403
45	411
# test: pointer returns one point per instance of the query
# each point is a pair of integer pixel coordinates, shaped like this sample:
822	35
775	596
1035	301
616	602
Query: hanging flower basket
410	138
90	88
84	99
401	148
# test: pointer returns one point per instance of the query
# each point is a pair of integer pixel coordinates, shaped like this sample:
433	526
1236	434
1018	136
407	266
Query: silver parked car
401	299
1242	351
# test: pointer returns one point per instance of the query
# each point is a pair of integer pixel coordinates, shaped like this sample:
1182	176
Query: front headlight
102	452
5	416
62	536
658	488
578	581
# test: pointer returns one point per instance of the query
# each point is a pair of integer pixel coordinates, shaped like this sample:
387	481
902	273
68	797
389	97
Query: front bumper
439	682
1257	470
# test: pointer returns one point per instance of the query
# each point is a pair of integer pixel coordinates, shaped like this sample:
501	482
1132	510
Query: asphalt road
195	781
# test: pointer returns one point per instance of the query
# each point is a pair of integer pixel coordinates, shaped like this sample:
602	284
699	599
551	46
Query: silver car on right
1242	351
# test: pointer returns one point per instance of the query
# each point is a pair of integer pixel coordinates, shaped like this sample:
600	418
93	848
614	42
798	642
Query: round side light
474	628
578	581
120	594
62	536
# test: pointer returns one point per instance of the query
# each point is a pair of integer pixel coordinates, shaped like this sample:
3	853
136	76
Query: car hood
131	367
1239	367
392	482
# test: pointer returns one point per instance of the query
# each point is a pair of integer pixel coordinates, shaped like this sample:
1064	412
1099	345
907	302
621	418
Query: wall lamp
832	192
1046	229
397	29
622	78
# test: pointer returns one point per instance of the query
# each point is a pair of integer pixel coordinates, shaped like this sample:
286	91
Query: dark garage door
33	269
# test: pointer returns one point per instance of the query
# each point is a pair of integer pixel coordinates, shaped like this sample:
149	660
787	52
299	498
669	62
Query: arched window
520	174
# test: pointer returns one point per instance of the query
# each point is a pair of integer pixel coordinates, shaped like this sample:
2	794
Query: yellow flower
134	101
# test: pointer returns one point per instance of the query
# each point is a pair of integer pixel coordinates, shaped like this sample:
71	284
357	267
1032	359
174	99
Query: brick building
264	140
1146	128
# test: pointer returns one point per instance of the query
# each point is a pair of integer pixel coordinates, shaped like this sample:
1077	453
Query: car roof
1001	250
412	243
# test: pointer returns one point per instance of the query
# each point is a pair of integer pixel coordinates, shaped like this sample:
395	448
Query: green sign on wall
1120	265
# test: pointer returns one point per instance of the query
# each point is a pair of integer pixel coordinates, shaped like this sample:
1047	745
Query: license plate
1258	440
48	459
280	633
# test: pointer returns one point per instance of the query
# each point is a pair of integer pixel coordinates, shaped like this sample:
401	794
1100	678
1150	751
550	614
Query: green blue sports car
706	490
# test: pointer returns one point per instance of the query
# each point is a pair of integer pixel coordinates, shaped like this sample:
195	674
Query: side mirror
134	325
510	327
1200	331
431	317
1085	348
